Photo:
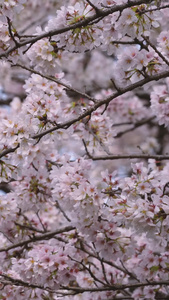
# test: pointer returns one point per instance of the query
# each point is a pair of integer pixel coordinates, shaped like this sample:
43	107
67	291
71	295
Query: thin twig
129	156
98	104
55	80
7	151
37	238
136	125
155	49
153	9
11	33
104	147
97	10
29	227
62	211
117	287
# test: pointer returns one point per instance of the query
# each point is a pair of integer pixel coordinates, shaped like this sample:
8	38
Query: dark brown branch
126	156
55	80
153	9
120	298
104	147
37	238
117	287
88	270
89	111
104	272
29	227
86	149
129	156
156	50
18	282
110	263
11	33
98	11
122	124
7	151
62	211
130	42
136	125
117	88
114	95
82	23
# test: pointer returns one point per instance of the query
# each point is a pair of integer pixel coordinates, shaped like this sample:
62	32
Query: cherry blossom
83	39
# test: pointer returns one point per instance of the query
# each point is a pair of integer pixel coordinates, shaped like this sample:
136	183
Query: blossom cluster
81	39
135	64
46	55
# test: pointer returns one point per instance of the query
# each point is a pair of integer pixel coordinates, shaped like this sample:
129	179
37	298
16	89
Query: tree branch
98	11
37	238
116	287
7	151
54	80
129	156
79	24
136	125
89	111
155	49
